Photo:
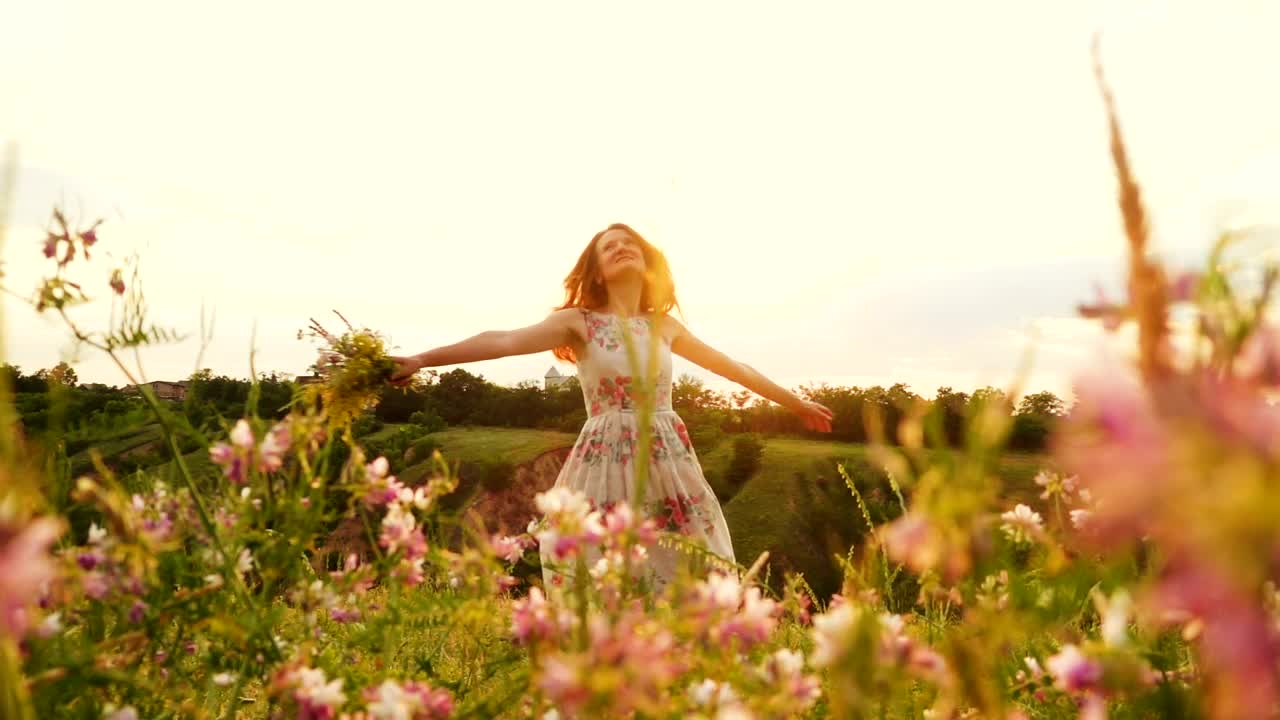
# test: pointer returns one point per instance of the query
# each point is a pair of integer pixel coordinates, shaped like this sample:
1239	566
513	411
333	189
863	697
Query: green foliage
421	450
428	421
705	437
1030	432
216	398
747	450
20	382
491	475
366	425
1044	404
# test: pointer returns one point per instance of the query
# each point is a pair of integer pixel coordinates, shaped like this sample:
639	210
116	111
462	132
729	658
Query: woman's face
618	253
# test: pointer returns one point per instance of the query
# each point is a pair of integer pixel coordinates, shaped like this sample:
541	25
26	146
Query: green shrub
366	425
705	436
428	421
747	450
420	450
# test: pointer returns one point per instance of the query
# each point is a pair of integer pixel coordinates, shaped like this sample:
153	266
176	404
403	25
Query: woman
618	284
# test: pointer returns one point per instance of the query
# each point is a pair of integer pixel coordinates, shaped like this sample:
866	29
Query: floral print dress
602	462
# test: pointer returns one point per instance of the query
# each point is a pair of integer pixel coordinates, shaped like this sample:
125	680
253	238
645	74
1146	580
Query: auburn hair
584	285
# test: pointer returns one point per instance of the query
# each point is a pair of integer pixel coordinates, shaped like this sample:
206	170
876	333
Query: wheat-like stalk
1148	287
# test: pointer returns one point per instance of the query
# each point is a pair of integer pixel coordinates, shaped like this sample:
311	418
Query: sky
853	192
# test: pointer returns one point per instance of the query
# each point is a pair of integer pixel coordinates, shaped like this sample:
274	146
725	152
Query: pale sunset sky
851	192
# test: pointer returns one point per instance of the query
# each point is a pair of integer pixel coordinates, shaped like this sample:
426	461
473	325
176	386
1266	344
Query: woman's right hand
406	368
814	416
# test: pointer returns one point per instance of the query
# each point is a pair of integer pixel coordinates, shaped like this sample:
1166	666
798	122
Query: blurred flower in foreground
25	567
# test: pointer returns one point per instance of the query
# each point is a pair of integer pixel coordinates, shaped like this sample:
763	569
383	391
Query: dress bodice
609	382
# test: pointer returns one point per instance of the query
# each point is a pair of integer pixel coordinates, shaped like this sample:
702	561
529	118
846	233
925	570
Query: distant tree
60	374
457	394
989	395
1044	404
20	382
951	408
740	399
274	395
692	394
564	398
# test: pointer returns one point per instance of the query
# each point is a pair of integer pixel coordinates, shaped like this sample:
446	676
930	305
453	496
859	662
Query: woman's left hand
815	416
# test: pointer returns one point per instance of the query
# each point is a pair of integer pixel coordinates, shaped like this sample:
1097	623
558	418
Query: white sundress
602	462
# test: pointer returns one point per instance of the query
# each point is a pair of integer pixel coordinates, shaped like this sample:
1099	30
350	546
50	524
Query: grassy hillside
513	445
795	505
472	445
798	508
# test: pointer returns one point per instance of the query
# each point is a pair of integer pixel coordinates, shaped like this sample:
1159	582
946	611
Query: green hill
513	445
795	505
798	508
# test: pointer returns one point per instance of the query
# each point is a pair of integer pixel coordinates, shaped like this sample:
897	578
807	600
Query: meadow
161	561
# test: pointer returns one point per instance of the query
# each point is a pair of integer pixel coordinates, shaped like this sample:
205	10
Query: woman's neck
624	295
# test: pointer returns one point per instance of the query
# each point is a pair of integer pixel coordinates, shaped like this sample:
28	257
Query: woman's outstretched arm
555	331
688	346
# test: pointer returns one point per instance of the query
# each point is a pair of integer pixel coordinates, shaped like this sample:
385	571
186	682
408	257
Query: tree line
459	397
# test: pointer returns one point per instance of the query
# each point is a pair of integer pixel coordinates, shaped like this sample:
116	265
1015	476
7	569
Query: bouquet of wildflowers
354	368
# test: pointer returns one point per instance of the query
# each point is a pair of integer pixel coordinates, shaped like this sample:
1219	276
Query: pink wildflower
89	560
26	566
117	281
1073	671
398	529
570	525
1185	286
564	681
1080	518
274	445
534	619
508	547
913	541
409	571
343	615
380	488
785	669
231	460
1120	450
753	623
411	701
242	435
832	633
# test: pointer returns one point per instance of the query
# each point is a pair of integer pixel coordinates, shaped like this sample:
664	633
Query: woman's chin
624	271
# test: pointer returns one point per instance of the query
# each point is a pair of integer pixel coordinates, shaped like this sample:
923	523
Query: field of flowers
1140	583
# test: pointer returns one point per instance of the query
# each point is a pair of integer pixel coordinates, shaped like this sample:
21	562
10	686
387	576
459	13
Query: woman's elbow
497	344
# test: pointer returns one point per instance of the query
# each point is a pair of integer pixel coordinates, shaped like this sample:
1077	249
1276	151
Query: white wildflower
1022	523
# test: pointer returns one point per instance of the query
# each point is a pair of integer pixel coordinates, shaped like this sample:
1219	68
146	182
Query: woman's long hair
584	286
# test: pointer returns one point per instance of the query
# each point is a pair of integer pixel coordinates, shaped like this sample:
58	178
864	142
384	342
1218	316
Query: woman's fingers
404	371
817	423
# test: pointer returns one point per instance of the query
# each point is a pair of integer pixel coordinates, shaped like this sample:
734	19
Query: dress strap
586	316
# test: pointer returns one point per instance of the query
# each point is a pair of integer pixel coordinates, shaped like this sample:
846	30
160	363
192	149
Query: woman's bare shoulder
572	319
671	327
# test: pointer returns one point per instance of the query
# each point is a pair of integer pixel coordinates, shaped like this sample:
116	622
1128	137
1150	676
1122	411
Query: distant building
162	389
554	378
307	379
